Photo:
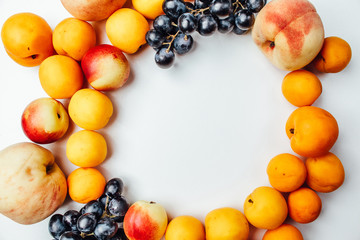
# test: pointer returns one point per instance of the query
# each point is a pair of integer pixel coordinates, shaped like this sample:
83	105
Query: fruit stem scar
250	201
291	130
49	168
33	56
58	115
272	44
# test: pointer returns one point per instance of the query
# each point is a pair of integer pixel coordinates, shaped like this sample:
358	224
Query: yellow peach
73	38
27	39
185	228
149	8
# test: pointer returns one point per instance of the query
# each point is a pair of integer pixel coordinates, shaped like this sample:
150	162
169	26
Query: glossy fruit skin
174	8
206	25
114	187
163	24
70	236
56	226
227	24
154	38
70	219
244	19
87	223
221	8
187	23
199	4
105	228
95	207
255	5
183	43
117	207
164	57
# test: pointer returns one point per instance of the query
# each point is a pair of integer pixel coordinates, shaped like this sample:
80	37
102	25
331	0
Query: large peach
312	131
92	10
27	39
289	32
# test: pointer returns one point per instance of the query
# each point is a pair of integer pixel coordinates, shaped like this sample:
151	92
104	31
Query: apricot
226	224
149	8
60	76
265	208
185	228
325	173
334	55
73	38
286	172
27	39
126	29
312	131
304	205
284	232
90	109
85	184
301	88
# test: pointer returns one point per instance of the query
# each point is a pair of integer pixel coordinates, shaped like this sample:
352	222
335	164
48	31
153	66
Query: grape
102	199
87	223
221	8
114	187
70	219
206	25
70	236
189	6
227	24
238	31
187	23
183	43
200	4
117	207
105	228
89	237
164	57
95	207
120	235
56	226
244	19
155	39
174	8
163	24
255	5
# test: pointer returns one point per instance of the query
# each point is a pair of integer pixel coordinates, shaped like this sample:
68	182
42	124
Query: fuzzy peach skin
145	221
32	185
92	10
45	120
105	67
289	32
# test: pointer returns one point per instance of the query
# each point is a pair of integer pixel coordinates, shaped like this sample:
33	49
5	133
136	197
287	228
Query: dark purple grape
206	25
244	19
183	43
117	207
187	23
163	24
227	24
120	235
95	207
114	187
70	236
70	219
56	226
189	6
201	4
164	57
255	5
239	31
105	228
221	8
87	223
89	237
174	8
155	39
102	199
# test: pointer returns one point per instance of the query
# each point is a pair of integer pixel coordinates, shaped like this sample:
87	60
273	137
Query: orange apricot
286	172
304	205
284	232
301	88
325	173
334	56
312	131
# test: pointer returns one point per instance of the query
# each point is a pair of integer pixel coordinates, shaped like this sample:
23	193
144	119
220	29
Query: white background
199	136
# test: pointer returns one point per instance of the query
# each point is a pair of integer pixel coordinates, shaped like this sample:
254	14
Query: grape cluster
98	219
171	32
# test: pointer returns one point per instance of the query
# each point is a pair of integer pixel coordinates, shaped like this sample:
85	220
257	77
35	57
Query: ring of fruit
289	33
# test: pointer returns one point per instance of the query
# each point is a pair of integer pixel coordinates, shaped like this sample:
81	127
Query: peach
126	29
149	9
304	205
92	10
289	32
73	38
27	39
45	120
312	131
334	56
284	232
265	208
105	67
325	173
185	227
60	76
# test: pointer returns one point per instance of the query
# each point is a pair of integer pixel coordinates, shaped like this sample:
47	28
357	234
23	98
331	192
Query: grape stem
198	11
237	4
172	40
